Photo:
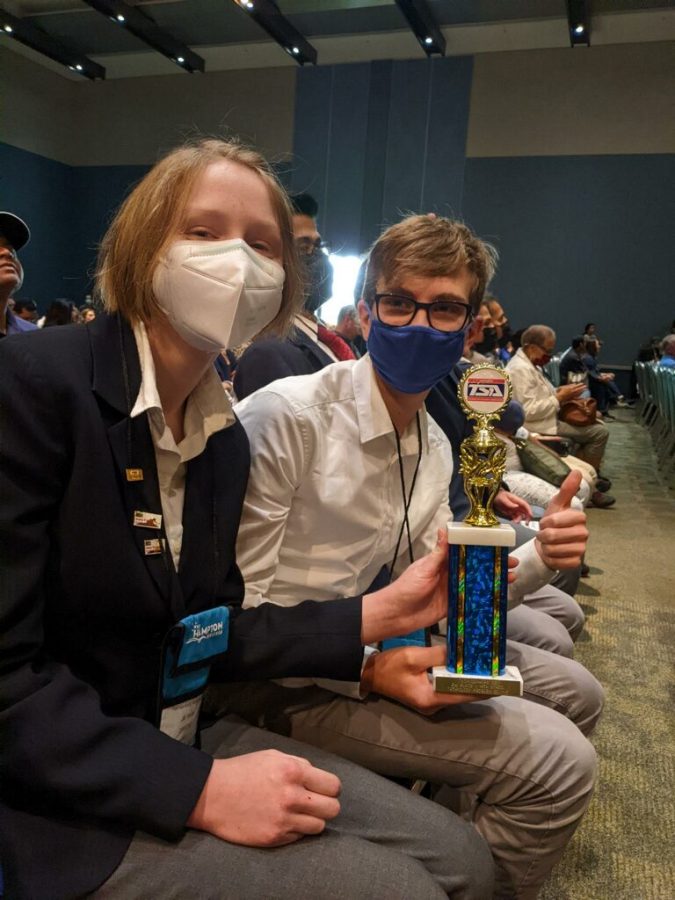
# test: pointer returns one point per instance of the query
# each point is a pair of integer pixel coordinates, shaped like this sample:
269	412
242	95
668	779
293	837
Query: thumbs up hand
561	541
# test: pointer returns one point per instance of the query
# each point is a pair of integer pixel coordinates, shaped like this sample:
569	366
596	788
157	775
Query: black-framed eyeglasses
396	310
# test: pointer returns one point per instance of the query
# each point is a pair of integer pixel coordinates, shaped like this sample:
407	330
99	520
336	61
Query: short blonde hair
150	217
433	247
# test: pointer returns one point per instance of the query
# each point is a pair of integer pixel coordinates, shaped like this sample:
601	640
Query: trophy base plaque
510	684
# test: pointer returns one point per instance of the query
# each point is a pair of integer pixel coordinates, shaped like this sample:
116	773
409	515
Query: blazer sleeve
58	751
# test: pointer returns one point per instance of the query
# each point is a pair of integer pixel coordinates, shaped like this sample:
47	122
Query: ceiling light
423	25
136	22
8	29
268	16
78	66
579	29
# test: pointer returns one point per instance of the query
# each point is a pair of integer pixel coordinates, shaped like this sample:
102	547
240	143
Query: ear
364	318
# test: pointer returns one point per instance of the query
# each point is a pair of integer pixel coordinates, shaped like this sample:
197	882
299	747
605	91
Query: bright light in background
345	272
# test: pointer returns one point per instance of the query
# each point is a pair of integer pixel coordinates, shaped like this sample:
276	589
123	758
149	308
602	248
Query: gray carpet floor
625	846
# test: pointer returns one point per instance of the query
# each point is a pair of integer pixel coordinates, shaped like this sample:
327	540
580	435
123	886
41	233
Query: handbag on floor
542	462
579	412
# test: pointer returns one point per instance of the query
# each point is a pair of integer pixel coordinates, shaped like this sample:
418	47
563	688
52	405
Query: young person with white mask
349	481
122	477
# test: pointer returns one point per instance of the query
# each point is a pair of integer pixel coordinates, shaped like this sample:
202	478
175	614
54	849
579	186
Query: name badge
180	721
134	474
147	519
190	649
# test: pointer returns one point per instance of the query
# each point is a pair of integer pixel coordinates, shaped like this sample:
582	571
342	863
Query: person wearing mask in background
541	402
310	345
122	478
349	482
14	235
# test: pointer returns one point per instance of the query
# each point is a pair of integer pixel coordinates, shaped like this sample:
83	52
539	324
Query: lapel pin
134	474
147	519
152	547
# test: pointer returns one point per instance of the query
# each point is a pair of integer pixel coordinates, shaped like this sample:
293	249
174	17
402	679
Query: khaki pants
526	766
592	440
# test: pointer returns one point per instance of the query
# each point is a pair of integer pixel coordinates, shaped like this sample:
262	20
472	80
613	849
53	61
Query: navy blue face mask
413	358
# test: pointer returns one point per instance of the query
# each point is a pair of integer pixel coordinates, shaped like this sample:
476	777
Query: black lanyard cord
405	524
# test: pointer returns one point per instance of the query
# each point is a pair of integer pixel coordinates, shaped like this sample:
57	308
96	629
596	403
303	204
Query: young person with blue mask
349	482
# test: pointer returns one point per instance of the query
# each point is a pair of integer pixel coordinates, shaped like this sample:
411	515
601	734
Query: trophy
478	550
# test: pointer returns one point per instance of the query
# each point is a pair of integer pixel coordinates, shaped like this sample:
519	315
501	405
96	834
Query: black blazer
83	611
268	359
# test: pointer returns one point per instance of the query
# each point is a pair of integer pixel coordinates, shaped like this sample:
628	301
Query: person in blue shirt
14	235
668	351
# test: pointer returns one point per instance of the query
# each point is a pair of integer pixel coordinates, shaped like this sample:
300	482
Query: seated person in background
310	345
349	328
26	310
572	368
475	337
532	488
602	384
349	482
122	478
542	402
61	312
590	333
668	351
14	235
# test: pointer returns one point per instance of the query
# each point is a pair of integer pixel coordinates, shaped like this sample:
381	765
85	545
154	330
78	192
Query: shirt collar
207	411
308	326
372	414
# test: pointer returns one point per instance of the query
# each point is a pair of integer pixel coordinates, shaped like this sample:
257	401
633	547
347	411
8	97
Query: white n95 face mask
217	294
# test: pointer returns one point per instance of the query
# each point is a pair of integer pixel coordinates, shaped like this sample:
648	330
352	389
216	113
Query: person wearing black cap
14	234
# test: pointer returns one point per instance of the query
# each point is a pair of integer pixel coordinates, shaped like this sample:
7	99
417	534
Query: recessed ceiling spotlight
78	67
428	40
8	29
121	19
180	59
579	29
296	50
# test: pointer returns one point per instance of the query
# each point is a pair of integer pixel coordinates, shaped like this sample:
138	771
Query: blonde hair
151	215
433	247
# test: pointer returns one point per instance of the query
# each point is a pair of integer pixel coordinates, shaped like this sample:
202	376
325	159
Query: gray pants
548	619
528	769
592	440
386	844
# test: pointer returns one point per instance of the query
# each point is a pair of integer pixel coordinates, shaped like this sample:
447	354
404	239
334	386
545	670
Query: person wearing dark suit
121	596
310	346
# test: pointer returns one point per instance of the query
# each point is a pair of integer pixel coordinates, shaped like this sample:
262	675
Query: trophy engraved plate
478	552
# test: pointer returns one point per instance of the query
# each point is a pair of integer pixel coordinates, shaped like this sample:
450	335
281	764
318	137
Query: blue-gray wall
67	209
375	140
581	239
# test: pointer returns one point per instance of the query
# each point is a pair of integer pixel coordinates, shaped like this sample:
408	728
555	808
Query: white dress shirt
324	505
207	411
535	392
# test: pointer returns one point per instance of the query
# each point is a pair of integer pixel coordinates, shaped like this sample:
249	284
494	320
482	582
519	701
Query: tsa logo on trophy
478	549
